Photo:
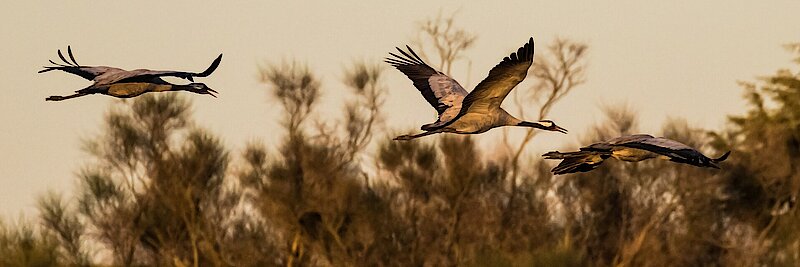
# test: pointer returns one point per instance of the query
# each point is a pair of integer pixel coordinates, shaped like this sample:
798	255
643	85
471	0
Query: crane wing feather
675	150
69	51
647	142
62	57
441	91
86	72
580	161
608	145
629	139
490	92
146	75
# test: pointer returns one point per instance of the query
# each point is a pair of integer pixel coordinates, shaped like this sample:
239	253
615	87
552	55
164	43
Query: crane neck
510	120
181	87
507	119
531	124
184	87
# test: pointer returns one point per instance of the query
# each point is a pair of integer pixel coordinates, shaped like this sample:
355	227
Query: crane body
121	83
631	148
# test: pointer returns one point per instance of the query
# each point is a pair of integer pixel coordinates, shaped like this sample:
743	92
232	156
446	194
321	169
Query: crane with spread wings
469	113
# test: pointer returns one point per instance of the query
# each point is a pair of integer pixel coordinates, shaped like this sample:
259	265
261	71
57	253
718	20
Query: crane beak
559	129
211	92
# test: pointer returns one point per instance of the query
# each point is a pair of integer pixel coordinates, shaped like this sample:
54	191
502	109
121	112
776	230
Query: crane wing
647	142
441	91
609	144
146	75
675	150
490	92
89	73
72	66
580	161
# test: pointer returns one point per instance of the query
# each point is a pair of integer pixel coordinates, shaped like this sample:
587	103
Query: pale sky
665	58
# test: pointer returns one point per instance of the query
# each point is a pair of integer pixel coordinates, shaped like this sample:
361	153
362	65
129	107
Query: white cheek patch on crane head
197	86
547	123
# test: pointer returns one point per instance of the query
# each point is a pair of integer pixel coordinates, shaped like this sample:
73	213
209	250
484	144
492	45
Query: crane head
544	125
201	88
551	126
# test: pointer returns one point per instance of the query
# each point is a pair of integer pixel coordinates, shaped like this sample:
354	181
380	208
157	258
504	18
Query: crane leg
59	98
407	137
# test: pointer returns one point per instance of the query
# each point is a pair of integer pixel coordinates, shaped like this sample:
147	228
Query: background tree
762	182
160	190
448	40
314	191
155	193
24	244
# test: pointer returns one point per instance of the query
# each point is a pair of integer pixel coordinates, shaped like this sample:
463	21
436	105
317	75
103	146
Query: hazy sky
665	58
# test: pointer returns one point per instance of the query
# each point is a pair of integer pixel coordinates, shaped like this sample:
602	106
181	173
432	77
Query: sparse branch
296	88
448	40
794	48
363	115
64	223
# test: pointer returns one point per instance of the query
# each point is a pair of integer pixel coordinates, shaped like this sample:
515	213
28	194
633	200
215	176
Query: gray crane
128	83
478	111
630	148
